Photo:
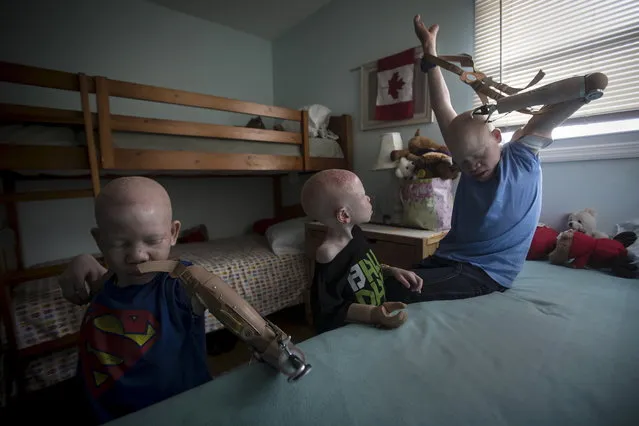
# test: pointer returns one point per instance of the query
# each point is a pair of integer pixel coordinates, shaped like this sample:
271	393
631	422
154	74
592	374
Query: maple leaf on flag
395	84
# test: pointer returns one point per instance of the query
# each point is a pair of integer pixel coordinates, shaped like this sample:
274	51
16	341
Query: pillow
287	237
195	234
318	118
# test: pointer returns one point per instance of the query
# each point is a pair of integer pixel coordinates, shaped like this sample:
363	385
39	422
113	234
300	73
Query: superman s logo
112	343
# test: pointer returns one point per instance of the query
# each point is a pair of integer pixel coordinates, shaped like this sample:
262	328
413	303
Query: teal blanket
560	348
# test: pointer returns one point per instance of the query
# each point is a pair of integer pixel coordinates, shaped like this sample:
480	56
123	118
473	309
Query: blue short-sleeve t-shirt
493	222
139	345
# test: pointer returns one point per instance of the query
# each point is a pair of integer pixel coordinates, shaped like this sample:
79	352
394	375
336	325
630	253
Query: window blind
563	38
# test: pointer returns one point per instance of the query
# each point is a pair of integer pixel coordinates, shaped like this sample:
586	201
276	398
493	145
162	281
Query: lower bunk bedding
560	348
267	281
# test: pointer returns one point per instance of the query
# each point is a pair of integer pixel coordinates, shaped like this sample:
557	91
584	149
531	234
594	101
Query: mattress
35	134
267	281
560	348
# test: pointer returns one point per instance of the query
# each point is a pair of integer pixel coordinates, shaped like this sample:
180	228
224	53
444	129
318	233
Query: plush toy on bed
543	242
597	253
430	159
585	221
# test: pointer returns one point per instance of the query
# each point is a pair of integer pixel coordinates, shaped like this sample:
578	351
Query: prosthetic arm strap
484	86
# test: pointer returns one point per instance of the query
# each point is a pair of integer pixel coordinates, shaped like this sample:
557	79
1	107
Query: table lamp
389	142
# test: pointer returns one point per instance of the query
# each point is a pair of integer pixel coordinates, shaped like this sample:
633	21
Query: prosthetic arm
269	344
588	88
508	99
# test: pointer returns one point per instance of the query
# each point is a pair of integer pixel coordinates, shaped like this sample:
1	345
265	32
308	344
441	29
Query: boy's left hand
409	279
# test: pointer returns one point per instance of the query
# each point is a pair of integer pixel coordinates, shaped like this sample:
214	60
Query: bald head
467	134
328	191
129	192
134	225
325	191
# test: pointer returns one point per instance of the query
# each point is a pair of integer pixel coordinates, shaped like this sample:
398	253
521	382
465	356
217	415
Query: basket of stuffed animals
427	203
427	190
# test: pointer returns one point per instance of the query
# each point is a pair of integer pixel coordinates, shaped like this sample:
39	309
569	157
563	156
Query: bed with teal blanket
560	348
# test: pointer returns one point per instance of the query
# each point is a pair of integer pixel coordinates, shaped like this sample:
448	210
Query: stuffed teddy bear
585	221
597	253
430	159
543	242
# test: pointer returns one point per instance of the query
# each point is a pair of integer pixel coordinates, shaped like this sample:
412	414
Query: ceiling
267	19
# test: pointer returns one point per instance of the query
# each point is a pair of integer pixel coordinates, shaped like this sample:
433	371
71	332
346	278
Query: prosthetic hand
269	343
377	315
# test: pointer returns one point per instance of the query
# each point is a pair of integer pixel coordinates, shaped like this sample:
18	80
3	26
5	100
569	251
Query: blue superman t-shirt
140	345
493	222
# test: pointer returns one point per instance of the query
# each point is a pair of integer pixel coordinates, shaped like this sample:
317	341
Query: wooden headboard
342	126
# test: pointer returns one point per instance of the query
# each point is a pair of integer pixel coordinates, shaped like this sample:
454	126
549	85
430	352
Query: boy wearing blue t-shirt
498	200
142	339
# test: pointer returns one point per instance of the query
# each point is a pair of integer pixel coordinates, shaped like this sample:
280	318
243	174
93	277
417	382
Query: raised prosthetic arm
588	88
508	99
269	343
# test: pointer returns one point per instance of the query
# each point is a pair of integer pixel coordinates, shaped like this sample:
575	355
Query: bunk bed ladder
18	358
89	125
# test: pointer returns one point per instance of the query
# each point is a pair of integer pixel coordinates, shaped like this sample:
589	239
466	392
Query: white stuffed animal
585	221
404	169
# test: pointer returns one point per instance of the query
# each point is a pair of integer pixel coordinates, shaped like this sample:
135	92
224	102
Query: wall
312	63
137	41
608	186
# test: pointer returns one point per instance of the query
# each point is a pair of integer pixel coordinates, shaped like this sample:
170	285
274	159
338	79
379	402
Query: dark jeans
444	280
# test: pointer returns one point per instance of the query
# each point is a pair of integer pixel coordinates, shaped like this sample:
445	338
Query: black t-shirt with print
353	276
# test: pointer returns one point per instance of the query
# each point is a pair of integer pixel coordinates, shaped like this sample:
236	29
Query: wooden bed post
277	196
88	130
104	122
306	144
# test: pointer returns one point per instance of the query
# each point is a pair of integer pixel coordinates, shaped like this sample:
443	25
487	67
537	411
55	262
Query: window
516	38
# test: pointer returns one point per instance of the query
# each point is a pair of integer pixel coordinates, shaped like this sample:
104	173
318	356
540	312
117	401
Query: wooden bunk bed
104	145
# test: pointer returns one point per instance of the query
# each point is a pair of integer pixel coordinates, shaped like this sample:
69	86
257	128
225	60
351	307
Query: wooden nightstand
394	246
401	247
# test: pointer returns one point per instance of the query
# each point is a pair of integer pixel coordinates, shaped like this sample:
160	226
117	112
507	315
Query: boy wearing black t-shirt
348	283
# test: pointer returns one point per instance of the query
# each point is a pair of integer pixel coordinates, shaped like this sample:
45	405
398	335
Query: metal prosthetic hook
295	366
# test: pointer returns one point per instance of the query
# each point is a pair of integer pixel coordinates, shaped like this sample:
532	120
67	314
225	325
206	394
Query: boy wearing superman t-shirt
142	339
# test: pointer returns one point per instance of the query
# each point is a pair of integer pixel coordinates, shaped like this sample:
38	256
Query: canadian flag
395	86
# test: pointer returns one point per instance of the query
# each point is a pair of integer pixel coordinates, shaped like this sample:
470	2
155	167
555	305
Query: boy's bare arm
437	89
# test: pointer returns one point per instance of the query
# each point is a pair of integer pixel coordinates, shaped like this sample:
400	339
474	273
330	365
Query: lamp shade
389	142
